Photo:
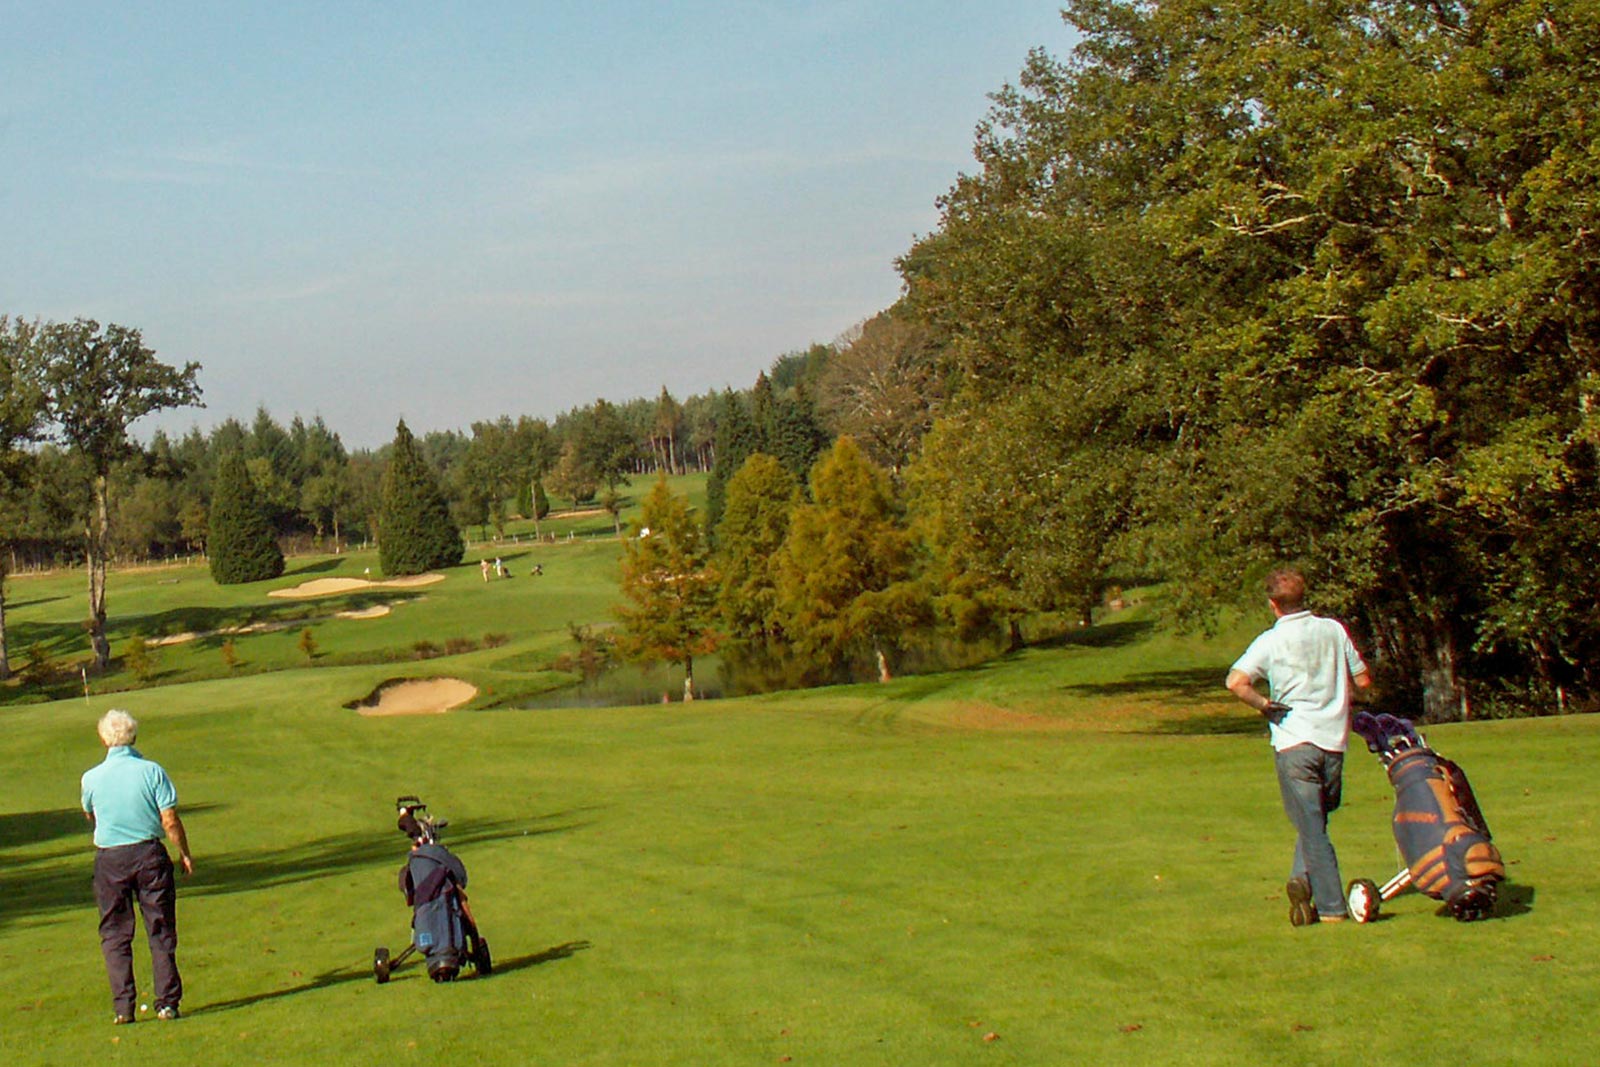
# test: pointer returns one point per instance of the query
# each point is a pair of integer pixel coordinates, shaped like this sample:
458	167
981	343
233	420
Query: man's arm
176	834
1240	685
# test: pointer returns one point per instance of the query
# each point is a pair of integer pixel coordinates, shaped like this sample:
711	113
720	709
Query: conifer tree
759	499
240	541
415	532
737	438
670	587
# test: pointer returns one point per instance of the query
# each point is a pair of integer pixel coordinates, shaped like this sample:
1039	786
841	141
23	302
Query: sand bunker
426	697
330	586
377	611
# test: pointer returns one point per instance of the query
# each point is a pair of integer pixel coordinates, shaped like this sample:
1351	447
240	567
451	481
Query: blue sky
450	212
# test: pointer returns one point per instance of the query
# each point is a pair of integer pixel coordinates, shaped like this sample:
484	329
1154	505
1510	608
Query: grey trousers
139	873
1311	780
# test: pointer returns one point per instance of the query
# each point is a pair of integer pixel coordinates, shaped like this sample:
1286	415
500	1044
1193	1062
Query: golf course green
1071	855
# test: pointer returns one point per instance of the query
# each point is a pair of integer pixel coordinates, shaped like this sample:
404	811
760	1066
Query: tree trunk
883	666
98	538
5	658
688	679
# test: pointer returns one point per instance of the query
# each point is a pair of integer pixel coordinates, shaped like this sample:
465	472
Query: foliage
307	644
755	521
844	574
669	587
241	546
1306	283
137	658
885	386
98	383
416	533
738	438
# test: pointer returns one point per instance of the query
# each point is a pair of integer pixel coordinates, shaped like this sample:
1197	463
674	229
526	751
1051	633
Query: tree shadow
1216	724
1103	635
33	827
50	883
318	567
55	880
18	605
1195	683
249	871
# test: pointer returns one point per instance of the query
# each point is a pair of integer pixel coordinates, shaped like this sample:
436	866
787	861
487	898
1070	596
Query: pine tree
737	439
415	533
759	500
240	542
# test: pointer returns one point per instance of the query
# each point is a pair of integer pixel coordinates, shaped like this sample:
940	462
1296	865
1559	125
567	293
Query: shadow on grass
1515	899
240	872
59	879
33	827
1103	635
63	880
20	604
319	567
1195	683
1212	725
343	975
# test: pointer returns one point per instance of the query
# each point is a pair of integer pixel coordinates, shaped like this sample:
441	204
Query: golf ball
144	1007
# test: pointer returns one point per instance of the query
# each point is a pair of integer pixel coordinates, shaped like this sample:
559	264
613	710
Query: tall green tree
415	531
669	585
737	439
241	547
754	524
1306	282
845	587
99	382
22	415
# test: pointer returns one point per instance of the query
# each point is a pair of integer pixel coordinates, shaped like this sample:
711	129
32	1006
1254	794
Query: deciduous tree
100	381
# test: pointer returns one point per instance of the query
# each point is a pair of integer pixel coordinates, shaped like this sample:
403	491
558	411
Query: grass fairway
1072	855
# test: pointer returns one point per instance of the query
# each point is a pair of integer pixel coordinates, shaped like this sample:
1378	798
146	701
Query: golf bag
1443	838
434	882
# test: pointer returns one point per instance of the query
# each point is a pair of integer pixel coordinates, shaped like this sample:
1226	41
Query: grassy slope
1078	849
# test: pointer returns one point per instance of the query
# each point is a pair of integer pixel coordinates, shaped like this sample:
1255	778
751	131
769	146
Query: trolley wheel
1364	898
380	965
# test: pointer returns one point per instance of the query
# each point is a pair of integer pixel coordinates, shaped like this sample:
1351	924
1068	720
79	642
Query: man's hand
187	862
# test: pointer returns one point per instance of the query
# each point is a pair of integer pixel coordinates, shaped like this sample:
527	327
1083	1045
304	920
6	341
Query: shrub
494	640
454	646
308	644
425	649
137	658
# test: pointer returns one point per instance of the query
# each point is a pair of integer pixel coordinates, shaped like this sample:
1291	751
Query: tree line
1230	285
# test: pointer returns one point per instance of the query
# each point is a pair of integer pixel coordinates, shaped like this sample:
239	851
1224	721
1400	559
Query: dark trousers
142	873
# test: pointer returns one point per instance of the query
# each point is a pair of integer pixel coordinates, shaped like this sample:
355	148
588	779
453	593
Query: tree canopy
1310	283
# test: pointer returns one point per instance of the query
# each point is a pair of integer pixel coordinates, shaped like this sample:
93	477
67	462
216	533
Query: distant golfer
1308	663
132	803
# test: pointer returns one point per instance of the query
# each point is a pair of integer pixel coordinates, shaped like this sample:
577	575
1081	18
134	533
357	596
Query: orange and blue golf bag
1442	835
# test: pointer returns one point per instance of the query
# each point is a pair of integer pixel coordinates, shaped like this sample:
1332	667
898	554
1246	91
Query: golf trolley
434	883
1443	838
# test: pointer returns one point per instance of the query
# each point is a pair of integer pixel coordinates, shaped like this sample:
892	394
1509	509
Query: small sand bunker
424	697
330	586
377	611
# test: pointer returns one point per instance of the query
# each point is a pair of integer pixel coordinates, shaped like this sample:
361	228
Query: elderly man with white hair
132	804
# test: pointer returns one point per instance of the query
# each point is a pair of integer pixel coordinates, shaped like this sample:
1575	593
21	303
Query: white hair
117	727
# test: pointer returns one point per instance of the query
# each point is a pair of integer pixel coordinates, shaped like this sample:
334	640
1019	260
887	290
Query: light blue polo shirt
1308	662
126	794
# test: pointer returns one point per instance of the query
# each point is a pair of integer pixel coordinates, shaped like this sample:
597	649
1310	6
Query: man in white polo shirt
1309	664
132	804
